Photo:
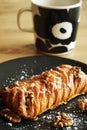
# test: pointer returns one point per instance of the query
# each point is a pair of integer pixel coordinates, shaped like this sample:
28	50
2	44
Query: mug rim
79	3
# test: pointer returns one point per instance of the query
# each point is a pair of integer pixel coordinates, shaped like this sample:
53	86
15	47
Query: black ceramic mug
55	24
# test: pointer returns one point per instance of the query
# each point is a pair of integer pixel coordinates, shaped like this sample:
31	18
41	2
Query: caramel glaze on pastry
33	96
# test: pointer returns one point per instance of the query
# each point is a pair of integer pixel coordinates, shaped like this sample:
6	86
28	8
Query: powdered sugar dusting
23	73
45	120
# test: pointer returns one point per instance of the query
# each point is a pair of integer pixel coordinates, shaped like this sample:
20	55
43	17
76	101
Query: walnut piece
83	104
9	115
76	71
62	119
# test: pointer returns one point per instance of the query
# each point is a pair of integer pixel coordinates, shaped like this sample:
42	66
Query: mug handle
18	20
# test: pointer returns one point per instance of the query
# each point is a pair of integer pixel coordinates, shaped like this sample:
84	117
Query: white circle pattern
57	33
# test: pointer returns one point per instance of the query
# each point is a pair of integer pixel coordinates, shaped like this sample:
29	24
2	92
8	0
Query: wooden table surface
15	43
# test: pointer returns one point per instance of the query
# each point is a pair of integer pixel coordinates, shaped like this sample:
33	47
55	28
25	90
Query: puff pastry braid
33	96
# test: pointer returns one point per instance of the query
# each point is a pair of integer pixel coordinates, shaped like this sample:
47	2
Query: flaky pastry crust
33	96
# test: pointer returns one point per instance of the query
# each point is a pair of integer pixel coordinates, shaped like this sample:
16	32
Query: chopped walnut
29	97
62	119
76	71
83	104
9	115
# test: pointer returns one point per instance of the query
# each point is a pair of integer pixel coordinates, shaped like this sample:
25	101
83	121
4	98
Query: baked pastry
33	96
